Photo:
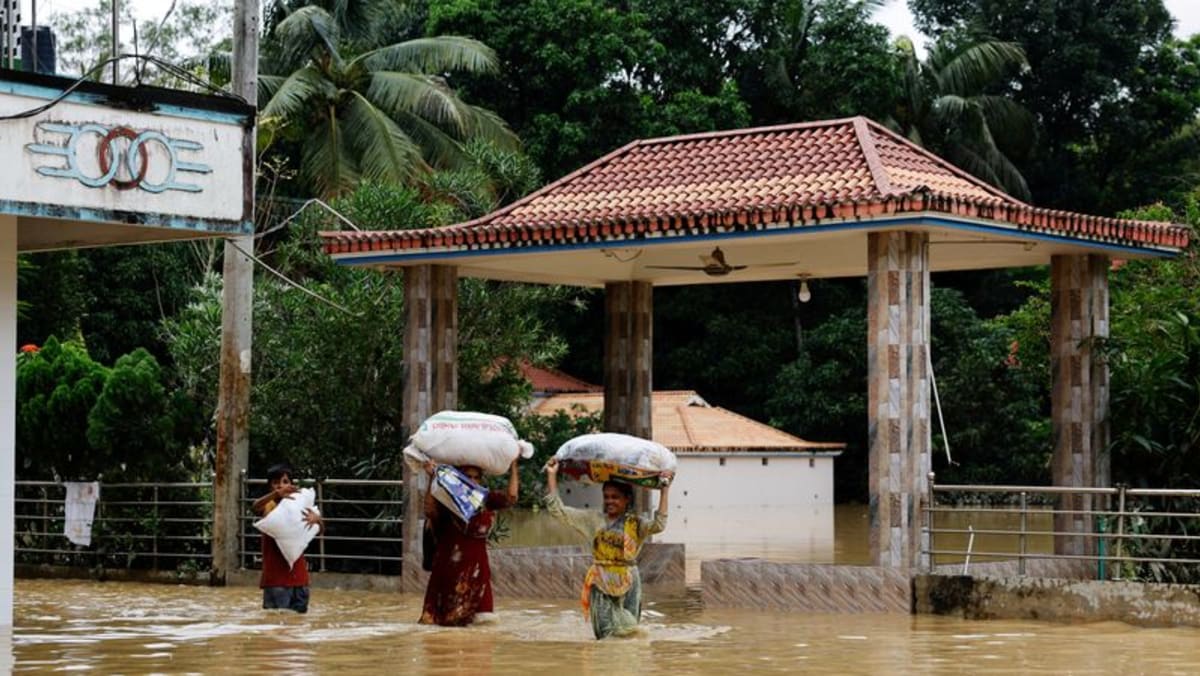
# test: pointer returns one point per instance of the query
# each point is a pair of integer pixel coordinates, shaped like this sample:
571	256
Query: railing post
1120	529
927	541
241	520
1021	547
156	527
321	538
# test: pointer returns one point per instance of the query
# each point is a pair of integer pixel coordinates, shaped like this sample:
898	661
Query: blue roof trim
130	218
354	259
88	99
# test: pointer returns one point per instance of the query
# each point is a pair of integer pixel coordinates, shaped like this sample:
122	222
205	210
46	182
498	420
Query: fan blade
737	267
774	265
675	267
711	262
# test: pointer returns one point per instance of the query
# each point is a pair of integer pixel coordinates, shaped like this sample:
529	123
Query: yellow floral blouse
615	545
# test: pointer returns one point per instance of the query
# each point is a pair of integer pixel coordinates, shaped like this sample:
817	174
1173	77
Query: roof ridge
866	143
776	429
729	133
940	161
683	421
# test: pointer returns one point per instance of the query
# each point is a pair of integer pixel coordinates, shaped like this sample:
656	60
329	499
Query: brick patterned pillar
1079	389
430	382
628	360
897	393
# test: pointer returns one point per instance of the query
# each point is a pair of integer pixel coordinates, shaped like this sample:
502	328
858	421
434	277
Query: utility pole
116	40
233	405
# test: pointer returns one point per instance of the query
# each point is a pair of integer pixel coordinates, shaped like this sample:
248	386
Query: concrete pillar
8	417
897	393
430	382
1079	389
628	358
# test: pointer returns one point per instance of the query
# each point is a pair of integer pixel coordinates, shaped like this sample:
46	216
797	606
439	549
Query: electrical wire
86	77
289	282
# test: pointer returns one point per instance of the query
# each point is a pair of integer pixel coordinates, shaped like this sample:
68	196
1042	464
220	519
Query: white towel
80	509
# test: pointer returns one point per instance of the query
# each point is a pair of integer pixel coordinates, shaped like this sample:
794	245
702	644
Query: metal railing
1141	533
155	526
363	520
168	526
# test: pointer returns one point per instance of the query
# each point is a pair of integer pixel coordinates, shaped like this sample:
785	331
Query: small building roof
685	423
552	381
815	179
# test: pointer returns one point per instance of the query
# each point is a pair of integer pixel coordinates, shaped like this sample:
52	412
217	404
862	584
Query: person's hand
430	468
285	491
312	518
552	466
668	475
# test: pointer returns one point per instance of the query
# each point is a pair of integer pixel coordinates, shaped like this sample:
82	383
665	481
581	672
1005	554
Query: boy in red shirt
283	586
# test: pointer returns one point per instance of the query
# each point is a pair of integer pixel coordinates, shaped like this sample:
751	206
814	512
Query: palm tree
385	115
946	107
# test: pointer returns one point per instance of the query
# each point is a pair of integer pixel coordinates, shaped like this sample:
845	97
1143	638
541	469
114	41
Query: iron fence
363	520
1125	533
168	526
157	526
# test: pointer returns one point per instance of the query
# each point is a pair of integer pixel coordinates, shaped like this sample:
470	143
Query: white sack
287	526
489	442
621	449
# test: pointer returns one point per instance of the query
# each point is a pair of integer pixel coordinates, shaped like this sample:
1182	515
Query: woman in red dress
460	584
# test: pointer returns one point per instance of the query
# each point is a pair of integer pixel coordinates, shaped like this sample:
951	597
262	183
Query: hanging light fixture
804	295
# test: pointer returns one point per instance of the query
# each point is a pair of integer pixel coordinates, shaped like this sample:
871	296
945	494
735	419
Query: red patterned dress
461	582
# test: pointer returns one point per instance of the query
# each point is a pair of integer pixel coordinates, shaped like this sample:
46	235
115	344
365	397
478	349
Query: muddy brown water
115	628
110	628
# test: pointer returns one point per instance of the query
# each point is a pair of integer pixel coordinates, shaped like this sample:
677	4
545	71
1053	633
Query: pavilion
837	198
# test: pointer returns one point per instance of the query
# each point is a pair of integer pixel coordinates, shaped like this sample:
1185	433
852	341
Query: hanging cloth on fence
80	510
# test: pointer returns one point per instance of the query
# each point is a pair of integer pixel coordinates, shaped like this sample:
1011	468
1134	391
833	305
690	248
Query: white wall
221	189
8	412
710	481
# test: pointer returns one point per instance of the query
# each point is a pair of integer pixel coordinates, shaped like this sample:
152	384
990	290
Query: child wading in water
283	586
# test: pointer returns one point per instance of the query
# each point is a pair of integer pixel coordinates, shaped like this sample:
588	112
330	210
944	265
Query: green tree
948	105
56	390
815	59
387	114
1107	84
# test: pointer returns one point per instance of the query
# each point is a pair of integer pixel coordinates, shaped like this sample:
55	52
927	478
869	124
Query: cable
284	277
306	205
165	65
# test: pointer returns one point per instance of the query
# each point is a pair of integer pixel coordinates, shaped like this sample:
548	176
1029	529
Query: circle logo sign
123	157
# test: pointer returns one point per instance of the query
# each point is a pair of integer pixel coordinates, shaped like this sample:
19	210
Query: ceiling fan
715	265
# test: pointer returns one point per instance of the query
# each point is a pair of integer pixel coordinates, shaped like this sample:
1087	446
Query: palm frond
325	161
968	71
440	150
295	94
1008	121
486	125
268	85
307	31
424	96
434	55
386	152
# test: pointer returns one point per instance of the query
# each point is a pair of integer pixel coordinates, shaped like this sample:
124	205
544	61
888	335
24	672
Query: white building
742	488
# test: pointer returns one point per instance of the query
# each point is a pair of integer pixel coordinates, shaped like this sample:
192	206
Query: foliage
948	105
386	114
547	433
188	30
815	59
77	419
56	390
1107	82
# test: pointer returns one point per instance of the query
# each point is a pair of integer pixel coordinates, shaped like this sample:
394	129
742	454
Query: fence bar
1120	526
1024	527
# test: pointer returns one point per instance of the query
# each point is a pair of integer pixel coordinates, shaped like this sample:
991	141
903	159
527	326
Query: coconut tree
387	114
949	105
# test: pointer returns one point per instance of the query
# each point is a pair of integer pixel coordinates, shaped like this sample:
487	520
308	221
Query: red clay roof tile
737	179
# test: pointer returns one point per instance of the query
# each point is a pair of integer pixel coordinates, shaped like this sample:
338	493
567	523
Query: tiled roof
553	381
683	422
748	179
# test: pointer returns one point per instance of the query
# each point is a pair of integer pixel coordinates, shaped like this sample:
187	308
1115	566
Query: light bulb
805	295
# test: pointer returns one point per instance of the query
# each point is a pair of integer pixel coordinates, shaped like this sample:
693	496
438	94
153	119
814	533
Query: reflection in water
132	628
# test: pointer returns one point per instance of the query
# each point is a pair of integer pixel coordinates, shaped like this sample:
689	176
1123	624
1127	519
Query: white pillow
286	524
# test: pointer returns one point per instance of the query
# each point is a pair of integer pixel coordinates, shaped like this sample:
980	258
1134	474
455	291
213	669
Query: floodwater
819	534
134	628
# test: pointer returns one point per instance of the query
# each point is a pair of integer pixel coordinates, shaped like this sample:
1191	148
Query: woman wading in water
612	589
